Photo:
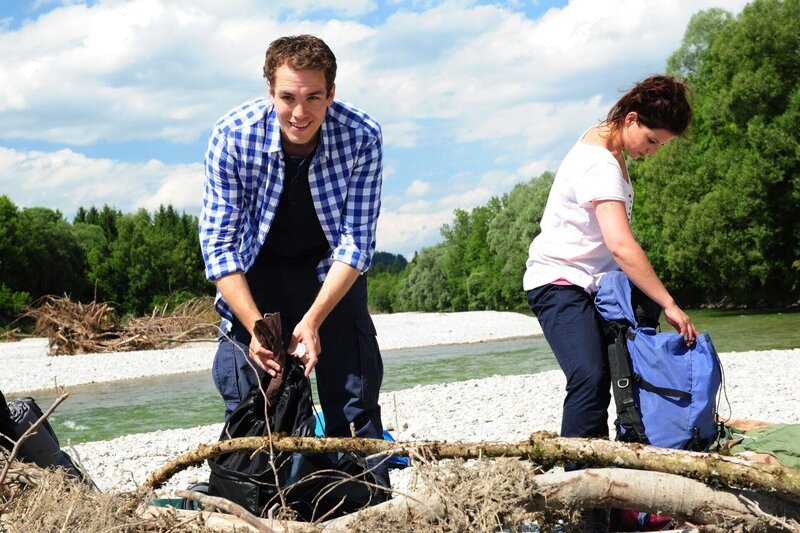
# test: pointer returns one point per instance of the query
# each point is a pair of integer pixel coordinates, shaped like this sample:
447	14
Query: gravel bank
33	370
759	385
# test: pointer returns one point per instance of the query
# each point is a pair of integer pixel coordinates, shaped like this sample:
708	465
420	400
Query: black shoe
594	521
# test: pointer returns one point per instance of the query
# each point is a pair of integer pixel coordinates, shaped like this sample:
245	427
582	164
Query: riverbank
34	370
758	385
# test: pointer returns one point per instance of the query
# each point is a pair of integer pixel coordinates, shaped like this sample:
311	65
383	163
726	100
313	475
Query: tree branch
227	506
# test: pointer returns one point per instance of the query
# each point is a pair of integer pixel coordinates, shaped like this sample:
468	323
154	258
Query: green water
736	331
104	411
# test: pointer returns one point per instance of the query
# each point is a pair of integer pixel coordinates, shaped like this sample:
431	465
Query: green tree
10	243
382	294
425	287
700	34
469	263
12	299
510	234
53	261
717	213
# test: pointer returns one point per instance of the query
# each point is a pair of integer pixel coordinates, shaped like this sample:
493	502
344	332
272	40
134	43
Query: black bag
313	484
42	447
6	425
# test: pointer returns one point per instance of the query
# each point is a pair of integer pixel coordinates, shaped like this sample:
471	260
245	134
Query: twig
28	433
226	505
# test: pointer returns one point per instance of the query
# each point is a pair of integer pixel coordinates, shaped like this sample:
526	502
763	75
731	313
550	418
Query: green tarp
782	441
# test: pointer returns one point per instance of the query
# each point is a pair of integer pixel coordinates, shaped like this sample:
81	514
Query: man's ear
331	93
271	93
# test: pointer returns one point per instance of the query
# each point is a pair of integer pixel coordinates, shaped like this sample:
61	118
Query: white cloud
66	180
141	69
437	75
145	69
532	169
401	134
347	8
406	233
468	199
418	188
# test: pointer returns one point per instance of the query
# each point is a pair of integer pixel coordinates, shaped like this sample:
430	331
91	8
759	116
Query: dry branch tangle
75	328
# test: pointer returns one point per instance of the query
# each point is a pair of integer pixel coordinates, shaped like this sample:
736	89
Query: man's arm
353	252
356	241
338	281
236	292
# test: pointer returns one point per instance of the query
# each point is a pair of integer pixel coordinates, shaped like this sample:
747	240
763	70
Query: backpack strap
661	391
622	380
649	387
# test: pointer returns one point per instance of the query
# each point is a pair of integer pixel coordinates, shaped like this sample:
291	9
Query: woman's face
639	140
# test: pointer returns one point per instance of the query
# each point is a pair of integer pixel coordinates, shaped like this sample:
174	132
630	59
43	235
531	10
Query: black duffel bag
314	485
41	447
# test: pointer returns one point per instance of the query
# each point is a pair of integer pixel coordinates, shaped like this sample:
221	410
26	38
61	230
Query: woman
586	232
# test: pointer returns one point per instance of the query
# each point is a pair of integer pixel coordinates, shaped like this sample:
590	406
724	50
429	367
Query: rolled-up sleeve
357	232
221	218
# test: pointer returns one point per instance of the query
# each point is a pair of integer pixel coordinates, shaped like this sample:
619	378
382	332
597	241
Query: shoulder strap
622	379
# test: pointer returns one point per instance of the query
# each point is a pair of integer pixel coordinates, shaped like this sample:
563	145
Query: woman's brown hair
661	102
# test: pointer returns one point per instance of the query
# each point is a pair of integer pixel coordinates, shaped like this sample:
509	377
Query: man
291	202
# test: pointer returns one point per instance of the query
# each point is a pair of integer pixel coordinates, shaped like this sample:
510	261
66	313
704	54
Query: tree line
716	211
135	261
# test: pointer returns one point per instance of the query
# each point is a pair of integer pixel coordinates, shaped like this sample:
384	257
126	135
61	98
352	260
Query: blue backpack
665	392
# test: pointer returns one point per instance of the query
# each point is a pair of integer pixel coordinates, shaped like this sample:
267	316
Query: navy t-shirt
296	236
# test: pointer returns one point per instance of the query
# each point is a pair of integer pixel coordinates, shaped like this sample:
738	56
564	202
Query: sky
111	102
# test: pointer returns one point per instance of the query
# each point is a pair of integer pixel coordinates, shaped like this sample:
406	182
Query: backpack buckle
623	383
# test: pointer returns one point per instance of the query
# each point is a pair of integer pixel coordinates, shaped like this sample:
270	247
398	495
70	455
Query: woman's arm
632	260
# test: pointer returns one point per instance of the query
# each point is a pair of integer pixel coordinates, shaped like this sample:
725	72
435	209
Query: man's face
300	104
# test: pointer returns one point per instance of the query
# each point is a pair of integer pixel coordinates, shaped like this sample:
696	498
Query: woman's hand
682	323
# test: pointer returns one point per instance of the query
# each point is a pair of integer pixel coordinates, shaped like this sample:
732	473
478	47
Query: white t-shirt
571	245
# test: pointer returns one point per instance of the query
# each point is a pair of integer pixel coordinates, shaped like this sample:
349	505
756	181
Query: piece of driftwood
224	522
226	505
543	449
547	450
424	503
685	500
21	473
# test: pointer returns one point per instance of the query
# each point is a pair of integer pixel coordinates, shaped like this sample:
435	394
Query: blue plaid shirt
244	170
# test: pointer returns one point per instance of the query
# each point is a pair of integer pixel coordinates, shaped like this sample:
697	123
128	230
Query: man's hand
338	281
262	357
305	344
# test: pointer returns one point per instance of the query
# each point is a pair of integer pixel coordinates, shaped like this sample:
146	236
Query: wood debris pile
76	328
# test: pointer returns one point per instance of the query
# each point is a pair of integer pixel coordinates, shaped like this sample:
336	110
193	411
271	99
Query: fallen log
685	500
543	449
714	469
